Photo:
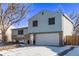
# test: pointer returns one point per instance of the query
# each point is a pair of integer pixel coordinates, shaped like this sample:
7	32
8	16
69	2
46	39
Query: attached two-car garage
47	39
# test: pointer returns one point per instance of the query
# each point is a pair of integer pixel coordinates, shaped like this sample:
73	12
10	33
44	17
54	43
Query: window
20	32
35	23
51	21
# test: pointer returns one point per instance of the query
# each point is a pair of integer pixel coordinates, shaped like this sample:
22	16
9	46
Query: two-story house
49	28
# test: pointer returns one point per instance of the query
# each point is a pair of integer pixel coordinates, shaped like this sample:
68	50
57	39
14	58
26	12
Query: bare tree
75	17
13	14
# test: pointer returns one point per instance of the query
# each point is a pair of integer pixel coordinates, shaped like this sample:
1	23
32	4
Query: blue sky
37	7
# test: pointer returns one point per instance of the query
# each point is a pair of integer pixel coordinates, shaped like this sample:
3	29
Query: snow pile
34	51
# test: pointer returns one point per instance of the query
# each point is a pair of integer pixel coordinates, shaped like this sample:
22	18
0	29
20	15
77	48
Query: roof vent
42	13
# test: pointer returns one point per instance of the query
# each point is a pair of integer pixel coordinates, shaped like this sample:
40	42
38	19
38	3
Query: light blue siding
43	23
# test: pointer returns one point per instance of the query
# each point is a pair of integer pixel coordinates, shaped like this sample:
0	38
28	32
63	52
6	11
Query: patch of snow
34	51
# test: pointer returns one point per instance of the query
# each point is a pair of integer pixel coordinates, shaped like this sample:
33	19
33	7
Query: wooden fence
71	40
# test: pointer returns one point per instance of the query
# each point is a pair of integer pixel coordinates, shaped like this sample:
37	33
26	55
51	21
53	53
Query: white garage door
47	39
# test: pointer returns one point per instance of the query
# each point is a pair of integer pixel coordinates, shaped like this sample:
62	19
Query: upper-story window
35	23
51	21
20	32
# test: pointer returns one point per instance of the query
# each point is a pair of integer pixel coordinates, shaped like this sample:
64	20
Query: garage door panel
47	39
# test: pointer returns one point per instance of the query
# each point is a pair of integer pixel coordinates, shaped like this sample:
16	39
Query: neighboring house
20	34
49	28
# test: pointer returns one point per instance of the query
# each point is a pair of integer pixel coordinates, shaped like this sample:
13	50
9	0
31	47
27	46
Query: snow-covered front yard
34	51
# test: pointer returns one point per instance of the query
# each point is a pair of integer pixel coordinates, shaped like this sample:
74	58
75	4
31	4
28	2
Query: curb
65	52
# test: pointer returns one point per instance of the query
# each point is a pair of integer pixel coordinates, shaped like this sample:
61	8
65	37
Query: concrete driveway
34	51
